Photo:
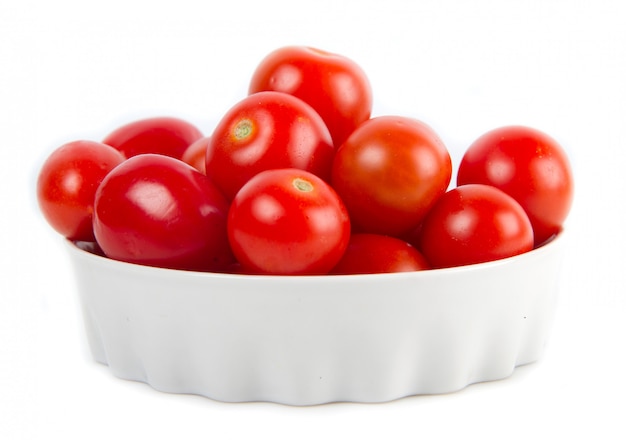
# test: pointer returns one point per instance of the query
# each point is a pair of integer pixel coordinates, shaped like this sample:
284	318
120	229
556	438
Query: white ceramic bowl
317	339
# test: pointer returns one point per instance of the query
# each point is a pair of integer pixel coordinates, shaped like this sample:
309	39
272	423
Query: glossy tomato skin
264	131
67	184
334	85
528	165
473	224
389	173
373	253
288	222
161	135
159	211
195	154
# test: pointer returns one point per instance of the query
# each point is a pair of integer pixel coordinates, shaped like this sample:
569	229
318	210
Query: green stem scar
243	129
302	185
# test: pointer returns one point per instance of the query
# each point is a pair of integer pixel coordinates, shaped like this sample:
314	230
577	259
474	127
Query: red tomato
389	173
372	253
289	222
335	86
264	131
528	165
161	135
473	224
159	211
67	183
195	154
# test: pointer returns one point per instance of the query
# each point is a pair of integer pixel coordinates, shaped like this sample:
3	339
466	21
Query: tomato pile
298	178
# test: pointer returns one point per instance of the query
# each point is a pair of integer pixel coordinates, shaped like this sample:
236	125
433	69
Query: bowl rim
80	250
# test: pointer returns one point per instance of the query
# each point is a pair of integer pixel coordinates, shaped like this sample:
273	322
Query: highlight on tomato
165	135
159	211
195	154
67	184
264	131
389	173
334	85
528	165
288	222
472	224
373	253
297	178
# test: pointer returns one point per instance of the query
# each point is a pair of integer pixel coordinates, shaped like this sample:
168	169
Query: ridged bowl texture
305	340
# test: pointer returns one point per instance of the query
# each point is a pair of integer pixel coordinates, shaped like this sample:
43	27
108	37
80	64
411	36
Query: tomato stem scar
243	129
302	185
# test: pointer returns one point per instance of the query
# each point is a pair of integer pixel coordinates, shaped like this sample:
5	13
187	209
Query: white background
72	69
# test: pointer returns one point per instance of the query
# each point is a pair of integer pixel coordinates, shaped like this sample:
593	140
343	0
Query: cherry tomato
528	165
373	253
289	222
389	173
195	154
264	131
158	211
335	86
162	135
67	183
474	224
